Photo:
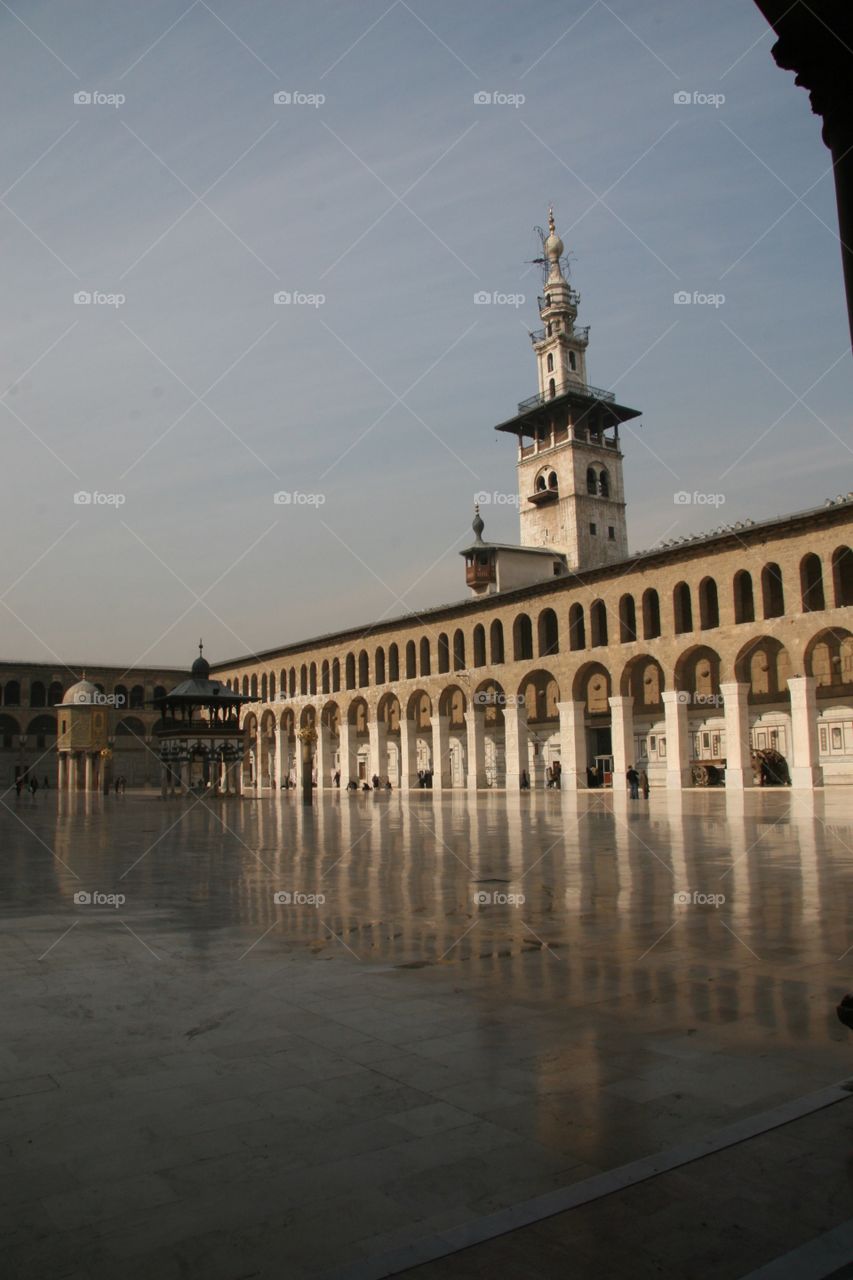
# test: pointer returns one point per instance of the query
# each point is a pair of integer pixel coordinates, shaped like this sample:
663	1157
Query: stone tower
570	489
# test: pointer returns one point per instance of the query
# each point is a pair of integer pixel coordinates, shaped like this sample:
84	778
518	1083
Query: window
682	608
573	364
577	630
627	620
611	533
598	624
744	603
552	388
496	641
651	614
522	638
479	646
593	528
604	484
709	609
552	480
459	650
772	593
811	582
549	640
550	363
591	480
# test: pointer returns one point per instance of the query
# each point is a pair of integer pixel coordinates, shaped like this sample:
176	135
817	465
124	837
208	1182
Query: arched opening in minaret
552	388
550	362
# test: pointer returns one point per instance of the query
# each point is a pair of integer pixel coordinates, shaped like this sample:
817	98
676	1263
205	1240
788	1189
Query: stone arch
697	672
312	679
458	649
363	670
303	680
425	659
651	614
744	599
325	677
336	675
411	663
490	695
264	687
55	694
419	709
682	608
548	633
811	583
393	663
598	624
245	686
577	628
541	692
643	680
379	665
308	717
627	619
496	642
522	638
443	648
829	658
479	639
389	712
765	665
842	577
349	671
357	715
592	686
772	591
9	731
453	704
709	605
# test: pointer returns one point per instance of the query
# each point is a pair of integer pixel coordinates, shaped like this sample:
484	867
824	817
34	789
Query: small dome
83	693
201	666
553	245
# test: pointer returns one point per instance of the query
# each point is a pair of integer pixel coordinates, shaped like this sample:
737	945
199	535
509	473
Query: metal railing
579	388
582	332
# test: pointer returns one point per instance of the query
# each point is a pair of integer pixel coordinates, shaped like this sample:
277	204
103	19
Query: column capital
621	701
677	697
734	689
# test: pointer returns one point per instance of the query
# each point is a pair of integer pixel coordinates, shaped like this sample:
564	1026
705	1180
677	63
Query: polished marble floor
250	1038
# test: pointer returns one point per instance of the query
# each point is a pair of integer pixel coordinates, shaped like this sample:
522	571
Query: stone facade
696	653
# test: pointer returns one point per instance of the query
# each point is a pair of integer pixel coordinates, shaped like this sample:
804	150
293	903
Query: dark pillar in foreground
816	42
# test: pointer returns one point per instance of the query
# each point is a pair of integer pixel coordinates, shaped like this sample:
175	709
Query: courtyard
250	1037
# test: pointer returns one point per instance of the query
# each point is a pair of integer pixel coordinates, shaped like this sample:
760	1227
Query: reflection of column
515	743
806	771
621	739
573	760
61	772
324	762
73	781
677	741
475	719
377	732
259	760
281	745
408	754
299	763
440	753
347	752
738	756
89	775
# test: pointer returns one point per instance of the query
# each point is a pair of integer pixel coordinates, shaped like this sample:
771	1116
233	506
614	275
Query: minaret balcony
580	335
578	388
542	497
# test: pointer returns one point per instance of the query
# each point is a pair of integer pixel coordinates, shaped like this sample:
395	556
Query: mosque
698	661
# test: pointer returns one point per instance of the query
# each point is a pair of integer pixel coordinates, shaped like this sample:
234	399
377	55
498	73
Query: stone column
299	764
475	720
677	739
806	771
72	771
89	773
515	744
738	755
622	739
282	746
377	731
61	772
440	753
408	755
573	751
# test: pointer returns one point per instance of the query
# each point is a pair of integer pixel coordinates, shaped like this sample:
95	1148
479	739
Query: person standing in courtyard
644	784
633	779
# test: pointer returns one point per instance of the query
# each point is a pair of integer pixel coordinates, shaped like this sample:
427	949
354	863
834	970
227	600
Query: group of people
375	784
31	782
637	782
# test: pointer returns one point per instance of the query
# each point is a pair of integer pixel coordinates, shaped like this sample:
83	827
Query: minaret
560	347
570	489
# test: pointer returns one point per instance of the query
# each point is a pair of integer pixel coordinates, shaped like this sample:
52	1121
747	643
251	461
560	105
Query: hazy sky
396	199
